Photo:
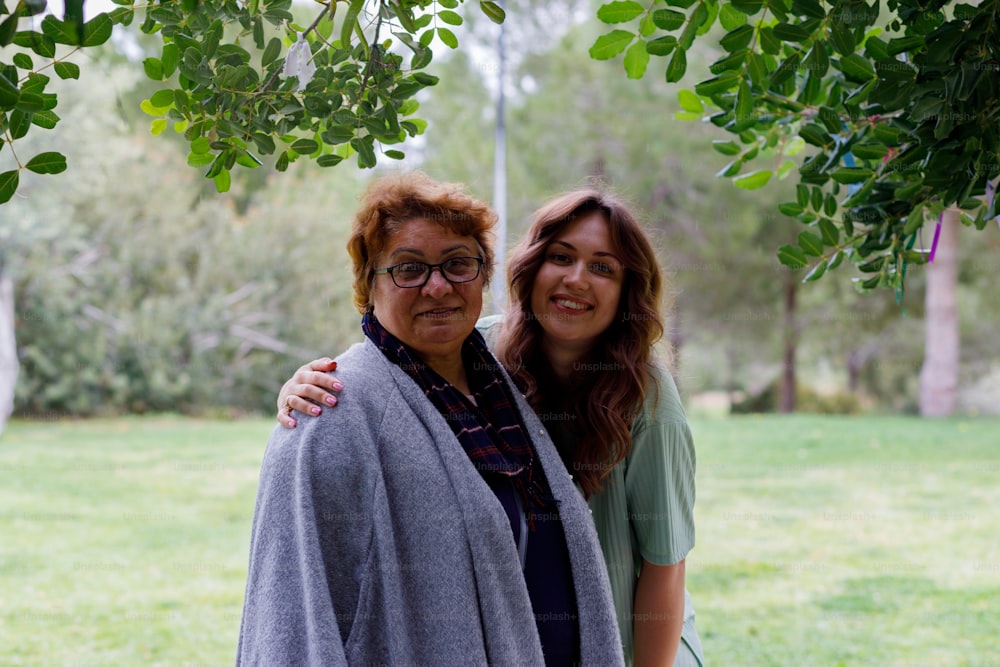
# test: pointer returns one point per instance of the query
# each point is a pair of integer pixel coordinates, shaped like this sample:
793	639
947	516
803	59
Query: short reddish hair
389	202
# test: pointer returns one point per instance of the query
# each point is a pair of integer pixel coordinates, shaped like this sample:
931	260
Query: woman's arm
659	614
305	391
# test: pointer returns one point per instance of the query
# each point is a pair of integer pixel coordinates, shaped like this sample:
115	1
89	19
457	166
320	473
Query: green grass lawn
821	540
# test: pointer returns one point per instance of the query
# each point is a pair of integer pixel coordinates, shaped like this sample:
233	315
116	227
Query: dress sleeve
659	479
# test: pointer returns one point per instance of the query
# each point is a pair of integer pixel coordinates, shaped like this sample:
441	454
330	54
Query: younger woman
578	338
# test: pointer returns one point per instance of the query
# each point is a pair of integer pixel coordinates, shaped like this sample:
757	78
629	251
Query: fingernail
314	410
331	400
337	386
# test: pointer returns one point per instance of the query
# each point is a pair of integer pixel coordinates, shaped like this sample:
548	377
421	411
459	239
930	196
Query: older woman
428	520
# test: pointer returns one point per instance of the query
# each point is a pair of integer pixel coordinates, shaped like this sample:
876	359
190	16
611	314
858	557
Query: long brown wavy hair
603	398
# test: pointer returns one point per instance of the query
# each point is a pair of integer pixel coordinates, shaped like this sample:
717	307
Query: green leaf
450	17
829	204
493	11
690	102
748	7
222	181
788	32
814	134
329	160
744	116
668	19
842	39
636	60
802	195
831	235
726	147
305	146
907	44
646	26
753	180
97	30
169	59
661	46
44	119
23	61
366	152
718	84
677	66
810	8
730	17
245	158
619	12
395	155
448	37
816	273
9	28
18	123
768	42
200	159
610	45
158	126
65	70
786	69
848	175
47	163
59	31
857	68
271	52
200	146
792	257
37	42
836	259
791	209
153	68
737	38
811	243
425	79
162	99
8	185
786	167
869	151
30	102
350	21
817	59
698	18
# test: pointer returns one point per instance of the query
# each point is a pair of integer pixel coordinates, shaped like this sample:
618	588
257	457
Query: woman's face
576	292
434	319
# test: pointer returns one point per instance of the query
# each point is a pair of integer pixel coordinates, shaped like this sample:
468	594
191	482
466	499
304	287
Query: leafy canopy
899	111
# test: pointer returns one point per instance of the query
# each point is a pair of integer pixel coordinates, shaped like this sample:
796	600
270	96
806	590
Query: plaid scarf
490	432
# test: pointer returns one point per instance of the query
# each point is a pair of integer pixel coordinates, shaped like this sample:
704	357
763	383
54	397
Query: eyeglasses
416	274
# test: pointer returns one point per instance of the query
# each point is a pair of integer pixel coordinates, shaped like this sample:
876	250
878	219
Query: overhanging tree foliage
249	81
899	105
902	111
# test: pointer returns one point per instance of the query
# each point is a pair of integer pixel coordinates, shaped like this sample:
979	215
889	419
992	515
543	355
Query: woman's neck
452	369
564	360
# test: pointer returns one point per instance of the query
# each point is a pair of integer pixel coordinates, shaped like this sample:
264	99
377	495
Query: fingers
325	364
285	418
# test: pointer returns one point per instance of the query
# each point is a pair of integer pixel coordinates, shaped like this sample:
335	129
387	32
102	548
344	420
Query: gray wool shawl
376	542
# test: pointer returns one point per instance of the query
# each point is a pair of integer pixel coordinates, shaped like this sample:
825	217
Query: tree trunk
8	350
787	400
939	374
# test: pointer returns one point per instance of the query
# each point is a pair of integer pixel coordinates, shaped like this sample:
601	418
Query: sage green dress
645	510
